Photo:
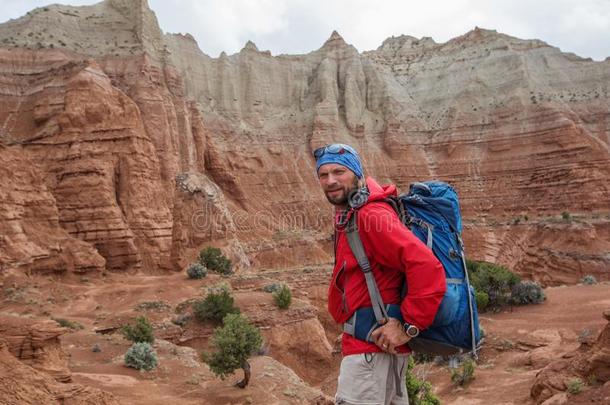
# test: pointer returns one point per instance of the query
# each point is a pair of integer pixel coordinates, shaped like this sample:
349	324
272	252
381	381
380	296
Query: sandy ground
518	342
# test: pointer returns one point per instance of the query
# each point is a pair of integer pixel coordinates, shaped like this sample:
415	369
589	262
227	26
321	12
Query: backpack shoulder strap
355	244
381	315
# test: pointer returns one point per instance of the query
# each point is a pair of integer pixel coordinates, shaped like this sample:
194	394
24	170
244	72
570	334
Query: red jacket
391	249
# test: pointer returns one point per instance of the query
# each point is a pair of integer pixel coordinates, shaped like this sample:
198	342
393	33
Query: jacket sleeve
392	245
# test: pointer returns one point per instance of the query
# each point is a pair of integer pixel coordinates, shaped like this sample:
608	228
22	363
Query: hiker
374	372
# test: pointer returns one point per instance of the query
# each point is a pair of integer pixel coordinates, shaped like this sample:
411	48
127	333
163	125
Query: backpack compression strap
355	244
470	305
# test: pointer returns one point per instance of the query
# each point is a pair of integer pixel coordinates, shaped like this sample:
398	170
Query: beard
340	194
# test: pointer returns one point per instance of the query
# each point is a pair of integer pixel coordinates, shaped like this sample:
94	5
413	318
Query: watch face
412	331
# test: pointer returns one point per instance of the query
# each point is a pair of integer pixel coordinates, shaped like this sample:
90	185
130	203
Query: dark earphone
358	197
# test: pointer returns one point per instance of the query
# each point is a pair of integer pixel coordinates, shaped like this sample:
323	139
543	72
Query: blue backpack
431	210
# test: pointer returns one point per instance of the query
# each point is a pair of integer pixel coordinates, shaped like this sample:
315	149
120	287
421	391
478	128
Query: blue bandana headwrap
341	154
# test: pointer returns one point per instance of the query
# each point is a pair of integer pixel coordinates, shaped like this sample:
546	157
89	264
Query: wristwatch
411	330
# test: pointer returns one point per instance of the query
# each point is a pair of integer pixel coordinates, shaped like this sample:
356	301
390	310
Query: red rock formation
22	384
590	363
117	111
36	343
32	237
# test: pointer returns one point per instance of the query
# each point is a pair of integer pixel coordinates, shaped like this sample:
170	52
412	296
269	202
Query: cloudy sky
300	26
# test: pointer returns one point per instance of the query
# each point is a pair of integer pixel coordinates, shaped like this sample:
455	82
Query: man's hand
390	335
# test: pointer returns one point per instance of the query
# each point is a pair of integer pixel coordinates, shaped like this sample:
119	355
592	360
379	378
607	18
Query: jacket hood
378	192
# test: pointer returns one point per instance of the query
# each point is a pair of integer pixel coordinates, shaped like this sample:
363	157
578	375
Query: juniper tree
234	343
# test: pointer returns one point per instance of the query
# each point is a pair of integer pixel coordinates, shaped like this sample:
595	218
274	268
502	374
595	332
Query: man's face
337	181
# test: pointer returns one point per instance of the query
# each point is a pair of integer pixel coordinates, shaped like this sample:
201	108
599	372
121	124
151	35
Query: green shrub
527	292
574	386
494	280
283	297
196	271
214	260
233	344
482	300
419	391
66	323
271	288
216	305
464	374
141	331
566	216
141	356
588	279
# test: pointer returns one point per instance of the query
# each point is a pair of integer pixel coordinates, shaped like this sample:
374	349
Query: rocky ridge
115	115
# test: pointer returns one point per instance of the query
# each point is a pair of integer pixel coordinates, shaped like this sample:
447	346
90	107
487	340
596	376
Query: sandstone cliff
149	149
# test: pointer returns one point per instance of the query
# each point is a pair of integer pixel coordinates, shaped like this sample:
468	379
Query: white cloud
300	26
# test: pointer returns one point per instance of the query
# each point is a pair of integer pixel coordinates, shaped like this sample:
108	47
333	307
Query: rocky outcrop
590	364
116	114
36	343
303	347
22	384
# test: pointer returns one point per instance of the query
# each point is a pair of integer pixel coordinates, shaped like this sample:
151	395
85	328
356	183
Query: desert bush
196	271
588	279
494	280
233	344
214	260
283	297
271	288
140	332
464	374
505	345
66	323
155	306
216	305
419	391
527	292
574	386
566	216
141	356
482	300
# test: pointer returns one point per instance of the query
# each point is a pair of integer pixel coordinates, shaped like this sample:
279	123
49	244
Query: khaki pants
368	379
